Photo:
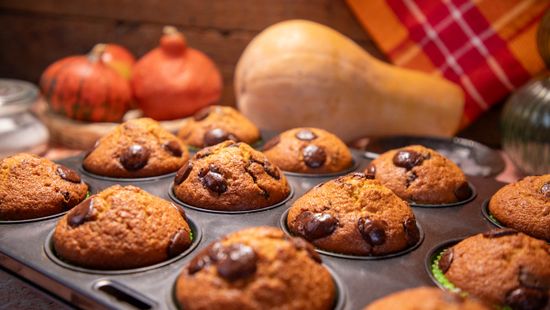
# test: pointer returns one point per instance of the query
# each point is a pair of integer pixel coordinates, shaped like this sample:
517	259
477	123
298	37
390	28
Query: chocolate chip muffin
308	150
215	124
256	268
136	148
121	228
501	267
524	206
354	215
230	176
32	187
419	174
426	298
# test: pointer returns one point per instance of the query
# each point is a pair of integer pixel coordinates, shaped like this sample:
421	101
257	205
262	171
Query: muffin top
214	124
32	187
524	206
256	268
230	176
121	228
308	150
136	148
354	215
419	174
501	267
426	298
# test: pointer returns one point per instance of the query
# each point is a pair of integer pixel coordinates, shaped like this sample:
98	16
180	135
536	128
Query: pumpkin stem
96	52
172	41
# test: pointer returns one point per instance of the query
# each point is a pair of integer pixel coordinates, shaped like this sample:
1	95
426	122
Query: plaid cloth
488	47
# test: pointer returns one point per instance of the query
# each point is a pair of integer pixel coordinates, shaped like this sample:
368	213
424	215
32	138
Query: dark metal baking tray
22	250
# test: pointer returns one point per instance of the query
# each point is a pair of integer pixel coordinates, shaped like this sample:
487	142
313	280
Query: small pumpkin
119	58
84	88
173	80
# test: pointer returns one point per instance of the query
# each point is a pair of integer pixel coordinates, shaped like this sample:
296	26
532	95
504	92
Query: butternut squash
300	73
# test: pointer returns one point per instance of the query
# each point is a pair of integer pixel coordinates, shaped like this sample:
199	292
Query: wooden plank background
35	33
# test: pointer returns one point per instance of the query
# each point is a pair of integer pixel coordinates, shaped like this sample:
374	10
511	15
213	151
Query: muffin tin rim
432	254
286	230
487	214
49	250
175	199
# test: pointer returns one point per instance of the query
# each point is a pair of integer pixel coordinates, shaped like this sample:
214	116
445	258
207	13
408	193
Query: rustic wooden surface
34	33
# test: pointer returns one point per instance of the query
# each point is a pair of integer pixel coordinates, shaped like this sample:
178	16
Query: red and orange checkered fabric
488	47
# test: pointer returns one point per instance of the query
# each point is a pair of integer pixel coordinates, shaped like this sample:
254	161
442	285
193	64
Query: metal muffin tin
24	249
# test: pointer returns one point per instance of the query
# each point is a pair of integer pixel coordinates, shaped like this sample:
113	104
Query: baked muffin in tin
33	187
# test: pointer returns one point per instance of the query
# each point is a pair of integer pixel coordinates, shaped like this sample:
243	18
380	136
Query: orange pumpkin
86	89
119	58
173	80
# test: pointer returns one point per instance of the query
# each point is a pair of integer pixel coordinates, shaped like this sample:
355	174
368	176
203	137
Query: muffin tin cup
431	257
47	217
352	168
125	180
284	227
186	205
52	255
447	205
339	301
488	216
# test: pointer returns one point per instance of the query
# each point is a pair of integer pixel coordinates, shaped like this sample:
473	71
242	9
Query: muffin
354	215
524	206
501	267
136	148
33	187
256	268
421	175
426	298
121	228
215	124
308	150
230	176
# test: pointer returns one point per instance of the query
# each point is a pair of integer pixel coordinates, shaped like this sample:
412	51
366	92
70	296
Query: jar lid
16	96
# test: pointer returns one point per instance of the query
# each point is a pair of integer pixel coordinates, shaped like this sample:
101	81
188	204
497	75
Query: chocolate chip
524	298
238	261
545	190
305	135
463	192
314	156
446	260
412	234
271	143
173	147
180	210
531	280
270	169
407	159
496	233
83	212
370	171
202	114
198	263
315	225
410	178
372	231
134	157
67	174
183	173
218	135
213	180
301	244
179	242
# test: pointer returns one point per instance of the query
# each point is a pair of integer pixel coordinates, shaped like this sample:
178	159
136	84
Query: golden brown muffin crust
354	215
121	228
137	148
524	206
308	150
215	124
256	268
32	187
230	176
501	267
419	174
